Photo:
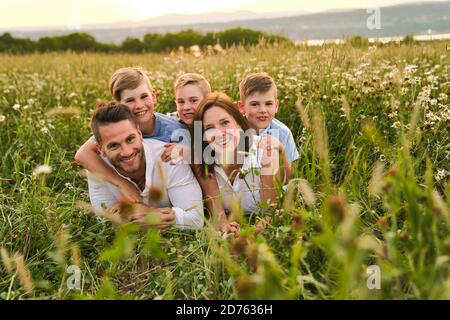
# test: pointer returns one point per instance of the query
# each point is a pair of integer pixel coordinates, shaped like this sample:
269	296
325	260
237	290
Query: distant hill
415	18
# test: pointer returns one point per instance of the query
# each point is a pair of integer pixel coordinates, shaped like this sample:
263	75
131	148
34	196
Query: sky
69	13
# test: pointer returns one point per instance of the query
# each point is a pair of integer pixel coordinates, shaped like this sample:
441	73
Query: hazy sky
34	13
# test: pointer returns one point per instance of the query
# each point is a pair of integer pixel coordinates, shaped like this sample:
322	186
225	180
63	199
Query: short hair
256	82
221	100
127	79
108	112
195	79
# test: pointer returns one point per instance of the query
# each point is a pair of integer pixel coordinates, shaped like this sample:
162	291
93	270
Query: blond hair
127	79
256	82
195	79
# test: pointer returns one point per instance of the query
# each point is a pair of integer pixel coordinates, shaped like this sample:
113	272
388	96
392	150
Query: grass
351	111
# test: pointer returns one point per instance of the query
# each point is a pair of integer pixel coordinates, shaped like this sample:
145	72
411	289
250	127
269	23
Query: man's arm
185	195
101	194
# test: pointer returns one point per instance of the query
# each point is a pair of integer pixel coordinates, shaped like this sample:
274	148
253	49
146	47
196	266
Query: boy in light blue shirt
258	102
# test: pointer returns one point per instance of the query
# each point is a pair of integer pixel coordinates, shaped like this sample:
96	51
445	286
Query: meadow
370	196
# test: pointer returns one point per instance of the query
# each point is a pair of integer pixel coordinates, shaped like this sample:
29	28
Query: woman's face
221	130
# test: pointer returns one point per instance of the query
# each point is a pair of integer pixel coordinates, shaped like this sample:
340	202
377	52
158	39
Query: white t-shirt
246	186
180	189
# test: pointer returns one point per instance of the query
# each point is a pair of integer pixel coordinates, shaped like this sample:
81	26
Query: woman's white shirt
245	189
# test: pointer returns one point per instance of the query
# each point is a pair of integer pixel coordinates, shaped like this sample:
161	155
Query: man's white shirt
180	190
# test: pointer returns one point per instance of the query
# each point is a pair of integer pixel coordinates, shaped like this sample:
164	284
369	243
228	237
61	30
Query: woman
242	165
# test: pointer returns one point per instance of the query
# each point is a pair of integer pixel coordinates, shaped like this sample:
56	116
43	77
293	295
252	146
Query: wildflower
443	97
2	118
16	106
42	169
396	125
68	186
393	114
441	174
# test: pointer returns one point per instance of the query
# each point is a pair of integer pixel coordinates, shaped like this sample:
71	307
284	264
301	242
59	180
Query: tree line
151	42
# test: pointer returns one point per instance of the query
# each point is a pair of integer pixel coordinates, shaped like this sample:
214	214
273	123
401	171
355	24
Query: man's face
260	108
141	102
122	145
187	99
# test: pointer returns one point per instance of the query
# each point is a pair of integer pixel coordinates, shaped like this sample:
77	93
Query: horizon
74	15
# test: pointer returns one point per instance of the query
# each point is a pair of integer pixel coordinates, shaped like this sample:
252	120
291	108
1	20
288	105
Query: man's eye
131	139
113	147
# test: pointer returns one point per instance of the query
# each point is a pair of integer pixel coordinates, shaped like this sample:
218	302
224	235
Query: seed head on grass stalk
24	273
158	190
59	255
345	107
376	183
7	263
303	113
64	112
320	138
302	186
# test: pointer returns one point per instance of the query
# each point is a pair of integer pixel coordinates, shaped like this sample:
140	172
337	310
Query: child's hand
228	228
129	192
271	149
173	152
150	217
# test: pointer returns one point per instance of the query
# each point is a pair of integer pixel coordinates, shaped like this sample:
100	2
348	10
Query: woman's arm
213	203
88	157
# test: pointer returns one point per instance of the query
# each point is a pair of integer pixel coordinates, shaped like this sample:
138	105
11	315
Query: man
170	193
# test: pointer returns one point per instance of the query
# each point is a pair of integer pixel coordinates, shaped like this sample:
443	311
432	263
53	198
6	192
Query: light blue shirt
166	130
165	126
280	131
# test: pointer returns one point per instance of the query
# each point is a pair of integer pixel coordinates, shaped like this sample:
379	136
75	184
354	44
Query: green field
371	186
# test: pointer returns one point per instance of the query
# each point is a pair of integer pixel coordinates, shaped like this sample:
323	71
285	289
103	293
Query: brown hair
127	79
256	82
221	100
195	79
107	112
